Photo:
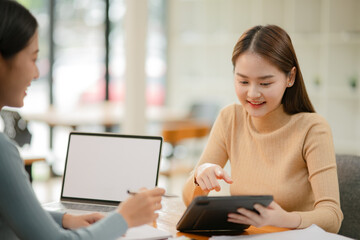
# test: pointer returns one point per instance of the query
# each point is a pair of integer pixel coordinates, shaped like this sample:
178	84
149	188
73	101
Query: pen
134	193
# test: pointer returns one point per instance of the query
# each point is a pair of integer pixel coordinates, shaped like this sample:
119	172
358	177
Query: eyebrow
261	77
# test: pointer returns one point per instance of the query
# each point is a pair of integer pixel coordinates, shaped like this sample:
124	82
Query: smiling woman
17	73
275	142
259	85
18	53
277	50
22	216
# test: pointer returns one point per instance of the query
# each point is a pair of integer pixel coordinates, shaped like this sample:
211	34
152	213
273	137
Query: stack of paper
312	232
145	232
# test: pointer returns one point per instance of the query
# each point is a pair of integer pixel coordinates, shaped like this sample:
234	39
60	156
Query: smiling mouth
256	104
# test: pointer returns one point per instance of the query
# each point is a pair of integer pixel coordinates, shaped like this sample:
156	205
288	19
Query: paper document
145	232
312	232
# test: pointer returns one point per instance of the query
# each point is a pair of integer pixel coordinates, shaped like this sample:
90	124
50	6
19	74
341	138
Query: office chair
15	127
204	111
348	168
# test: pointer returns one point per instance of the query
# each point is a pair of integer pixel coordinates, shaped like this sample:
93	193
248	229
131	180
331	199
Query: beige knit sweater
292	158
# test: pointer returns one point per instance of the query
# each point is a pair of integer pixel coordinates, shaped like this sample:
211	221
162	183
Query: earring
289	84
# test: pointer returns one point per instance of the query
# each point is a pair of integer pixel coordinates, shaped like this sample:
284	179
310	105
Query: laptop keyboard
89	207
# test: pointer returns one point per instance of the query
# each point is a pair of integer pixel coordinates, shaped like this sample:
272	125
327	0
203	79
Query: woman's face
259	85
17	73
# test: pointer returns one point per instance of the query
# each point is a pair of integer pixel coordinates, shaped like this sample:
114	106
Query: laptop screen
105	166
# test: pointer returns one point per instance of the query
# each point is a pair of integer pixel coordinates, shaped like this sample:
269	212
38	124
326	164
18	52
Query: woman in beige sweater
274	140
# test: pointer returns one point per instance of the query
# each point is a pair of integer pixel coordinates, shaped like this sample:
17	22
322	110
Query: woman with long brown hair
274	140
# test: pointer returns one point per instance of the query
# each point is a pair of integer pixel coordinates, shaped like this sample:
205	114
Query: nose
253	92
37	73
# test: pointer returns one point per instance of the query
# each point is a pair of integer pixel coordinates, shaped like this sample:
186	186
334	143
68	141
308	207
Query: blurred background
181	75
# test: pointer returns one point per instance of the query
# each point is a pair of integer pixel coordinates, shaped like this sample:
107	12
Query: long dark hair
274	44
17	26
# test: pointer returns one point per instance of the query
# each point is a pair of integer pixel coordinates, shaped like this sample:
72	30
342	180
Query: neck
271	121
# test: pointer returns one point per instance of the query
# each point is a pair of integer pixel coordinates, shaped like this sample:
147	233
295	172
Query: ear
291	77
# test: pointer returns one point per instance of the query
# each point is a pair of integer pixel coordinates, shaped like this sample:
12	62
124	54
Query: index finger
219	173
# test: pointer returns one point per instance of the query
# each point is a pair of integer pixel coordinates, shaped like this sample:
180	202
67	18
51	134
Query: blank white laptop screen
104	167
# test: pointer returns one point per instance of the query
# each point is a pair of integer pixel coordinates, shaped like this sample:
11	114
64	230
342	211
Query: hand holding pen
140	208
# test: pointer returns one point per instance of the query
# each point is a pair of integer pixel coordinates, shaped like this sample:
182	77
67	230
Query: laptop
101	167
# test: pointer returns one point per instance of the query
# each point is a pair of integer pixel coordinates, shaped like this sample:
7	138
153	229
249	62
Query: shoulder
310	119
232	111
311	122
8	150
230	118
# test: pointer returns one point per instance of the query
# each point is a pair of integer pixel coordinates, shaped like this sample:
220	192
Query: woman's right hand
207	175
140	208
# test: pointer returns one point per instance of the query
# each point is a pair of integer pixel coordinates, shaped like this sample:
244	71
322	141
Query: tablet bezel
207	215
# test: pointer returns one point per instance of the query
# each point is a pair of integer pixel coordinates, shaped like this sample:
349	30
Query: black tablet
208	215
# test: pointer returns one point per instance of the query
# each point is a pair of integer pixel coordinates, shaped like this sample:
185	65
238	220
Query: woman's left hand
78	221
272	215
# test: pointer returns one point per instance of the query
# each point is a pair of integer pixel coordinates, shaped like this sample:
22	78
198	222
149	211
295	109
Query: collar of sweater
271	121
